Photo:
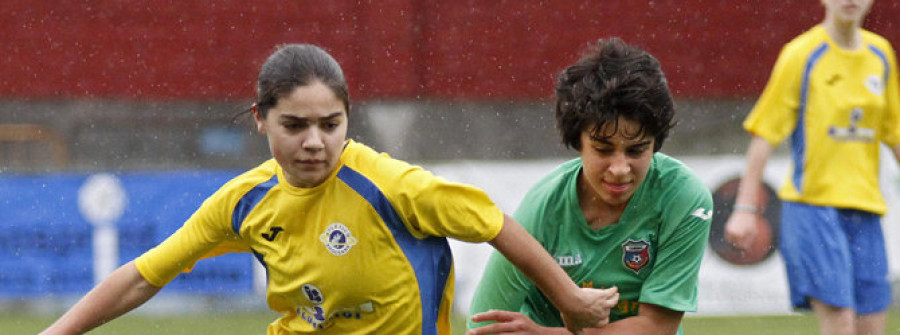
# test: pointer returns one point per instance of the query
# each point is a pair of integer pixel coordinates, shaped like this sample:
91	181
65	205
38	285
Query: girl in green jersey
621	215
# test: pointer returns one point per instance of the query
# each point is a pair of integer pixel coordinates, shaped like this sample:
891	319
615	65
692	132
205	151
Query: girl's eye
637	152
293	126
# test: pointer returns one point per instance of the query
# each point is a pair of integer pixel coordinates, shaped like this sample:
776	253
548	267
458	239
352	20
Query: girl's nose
313	139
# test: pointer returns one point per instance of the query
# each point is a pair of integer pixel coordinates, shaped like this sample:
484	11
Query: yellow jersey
364	252
837	106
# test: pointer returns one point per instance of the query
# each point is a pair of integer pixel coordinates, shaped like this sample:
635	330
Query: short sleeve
202	235
682	242
774	116
432	206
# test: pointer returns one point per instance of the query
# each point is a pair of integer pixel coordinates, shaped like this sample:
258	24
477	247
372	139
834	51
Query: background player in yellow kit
353	241
834	92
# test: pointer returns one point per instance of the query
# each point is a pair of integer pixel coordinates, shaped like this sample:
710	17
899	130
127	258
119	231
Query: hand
506	323
741	230
594	311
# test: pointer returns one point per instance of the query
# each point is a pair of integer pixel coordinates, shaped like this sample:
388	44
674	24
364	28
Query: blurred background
117	118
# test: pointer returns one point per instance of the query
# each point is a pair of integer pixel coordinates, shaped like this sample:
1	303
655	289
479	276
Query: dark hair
296	65
612	80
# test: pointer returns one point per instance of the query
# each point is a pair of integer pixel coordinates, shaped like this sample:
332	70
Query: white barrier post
102	201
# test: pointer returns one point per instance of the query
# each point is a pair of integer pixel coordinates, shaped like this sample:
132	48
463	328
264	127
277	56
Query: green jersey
652	254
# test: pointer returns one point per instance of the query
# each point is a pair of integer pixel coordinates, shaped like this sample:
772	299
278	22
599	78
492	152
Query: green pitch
255	323
799	324
219	324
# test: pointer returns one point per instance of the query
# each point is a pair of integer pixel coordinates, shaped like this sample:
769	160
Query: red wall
396	49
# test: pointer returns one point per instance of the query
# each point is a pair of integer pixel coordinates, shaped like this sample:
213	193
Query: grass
255	323
219	324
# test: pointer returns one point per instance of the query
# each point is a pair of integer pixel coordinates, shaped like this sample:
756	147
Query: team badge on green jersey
636	254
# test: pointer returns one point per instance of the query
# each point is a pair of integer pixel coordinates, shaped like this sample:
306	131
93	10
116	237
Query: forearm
523	251
635	325
652	320
124	290
758	153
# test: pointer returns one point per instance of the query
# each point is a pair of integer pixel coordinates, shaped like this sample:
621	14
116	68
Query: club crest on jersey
337	239
875	84
636	254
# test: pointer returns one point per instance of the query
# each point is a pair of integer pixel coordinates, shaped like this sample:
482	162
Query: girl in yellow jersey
352	240
834	92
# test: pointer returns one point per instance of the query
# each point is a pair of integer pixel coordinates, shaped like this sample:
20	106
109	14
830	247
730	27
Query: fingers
494	328
494	315
740	230
607	297
742	242
613	300
506	322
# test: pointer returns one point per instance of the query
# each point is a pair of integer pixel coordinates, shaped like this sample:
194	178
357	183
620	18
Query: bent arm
581	308
651	320
125	289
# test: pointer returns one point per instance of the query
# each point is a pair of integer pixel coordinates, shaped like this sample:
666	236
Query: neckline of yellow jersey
863	45
306	191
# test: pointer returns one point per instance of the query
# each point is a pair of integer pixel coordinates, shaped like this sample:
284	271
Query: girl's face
847	11
306	132
615	166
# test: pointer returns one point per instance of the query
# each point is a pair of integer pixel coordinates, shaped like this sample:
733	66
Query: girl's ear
260	122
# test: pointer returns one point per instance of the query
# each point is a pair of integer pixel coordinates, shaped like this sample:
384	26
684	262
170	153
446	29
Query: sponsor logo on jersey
313	293
318	318
270	236
853	133
568	260
702	213
636	254
337	239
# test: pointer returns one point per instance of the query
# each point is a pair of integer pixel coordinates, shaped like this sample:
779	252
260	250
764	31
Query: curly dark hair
612	80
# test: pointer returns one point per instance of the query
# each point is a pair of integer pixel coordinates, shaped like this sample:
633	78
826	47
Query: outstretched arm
580	308
651	320
124	290
741	226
